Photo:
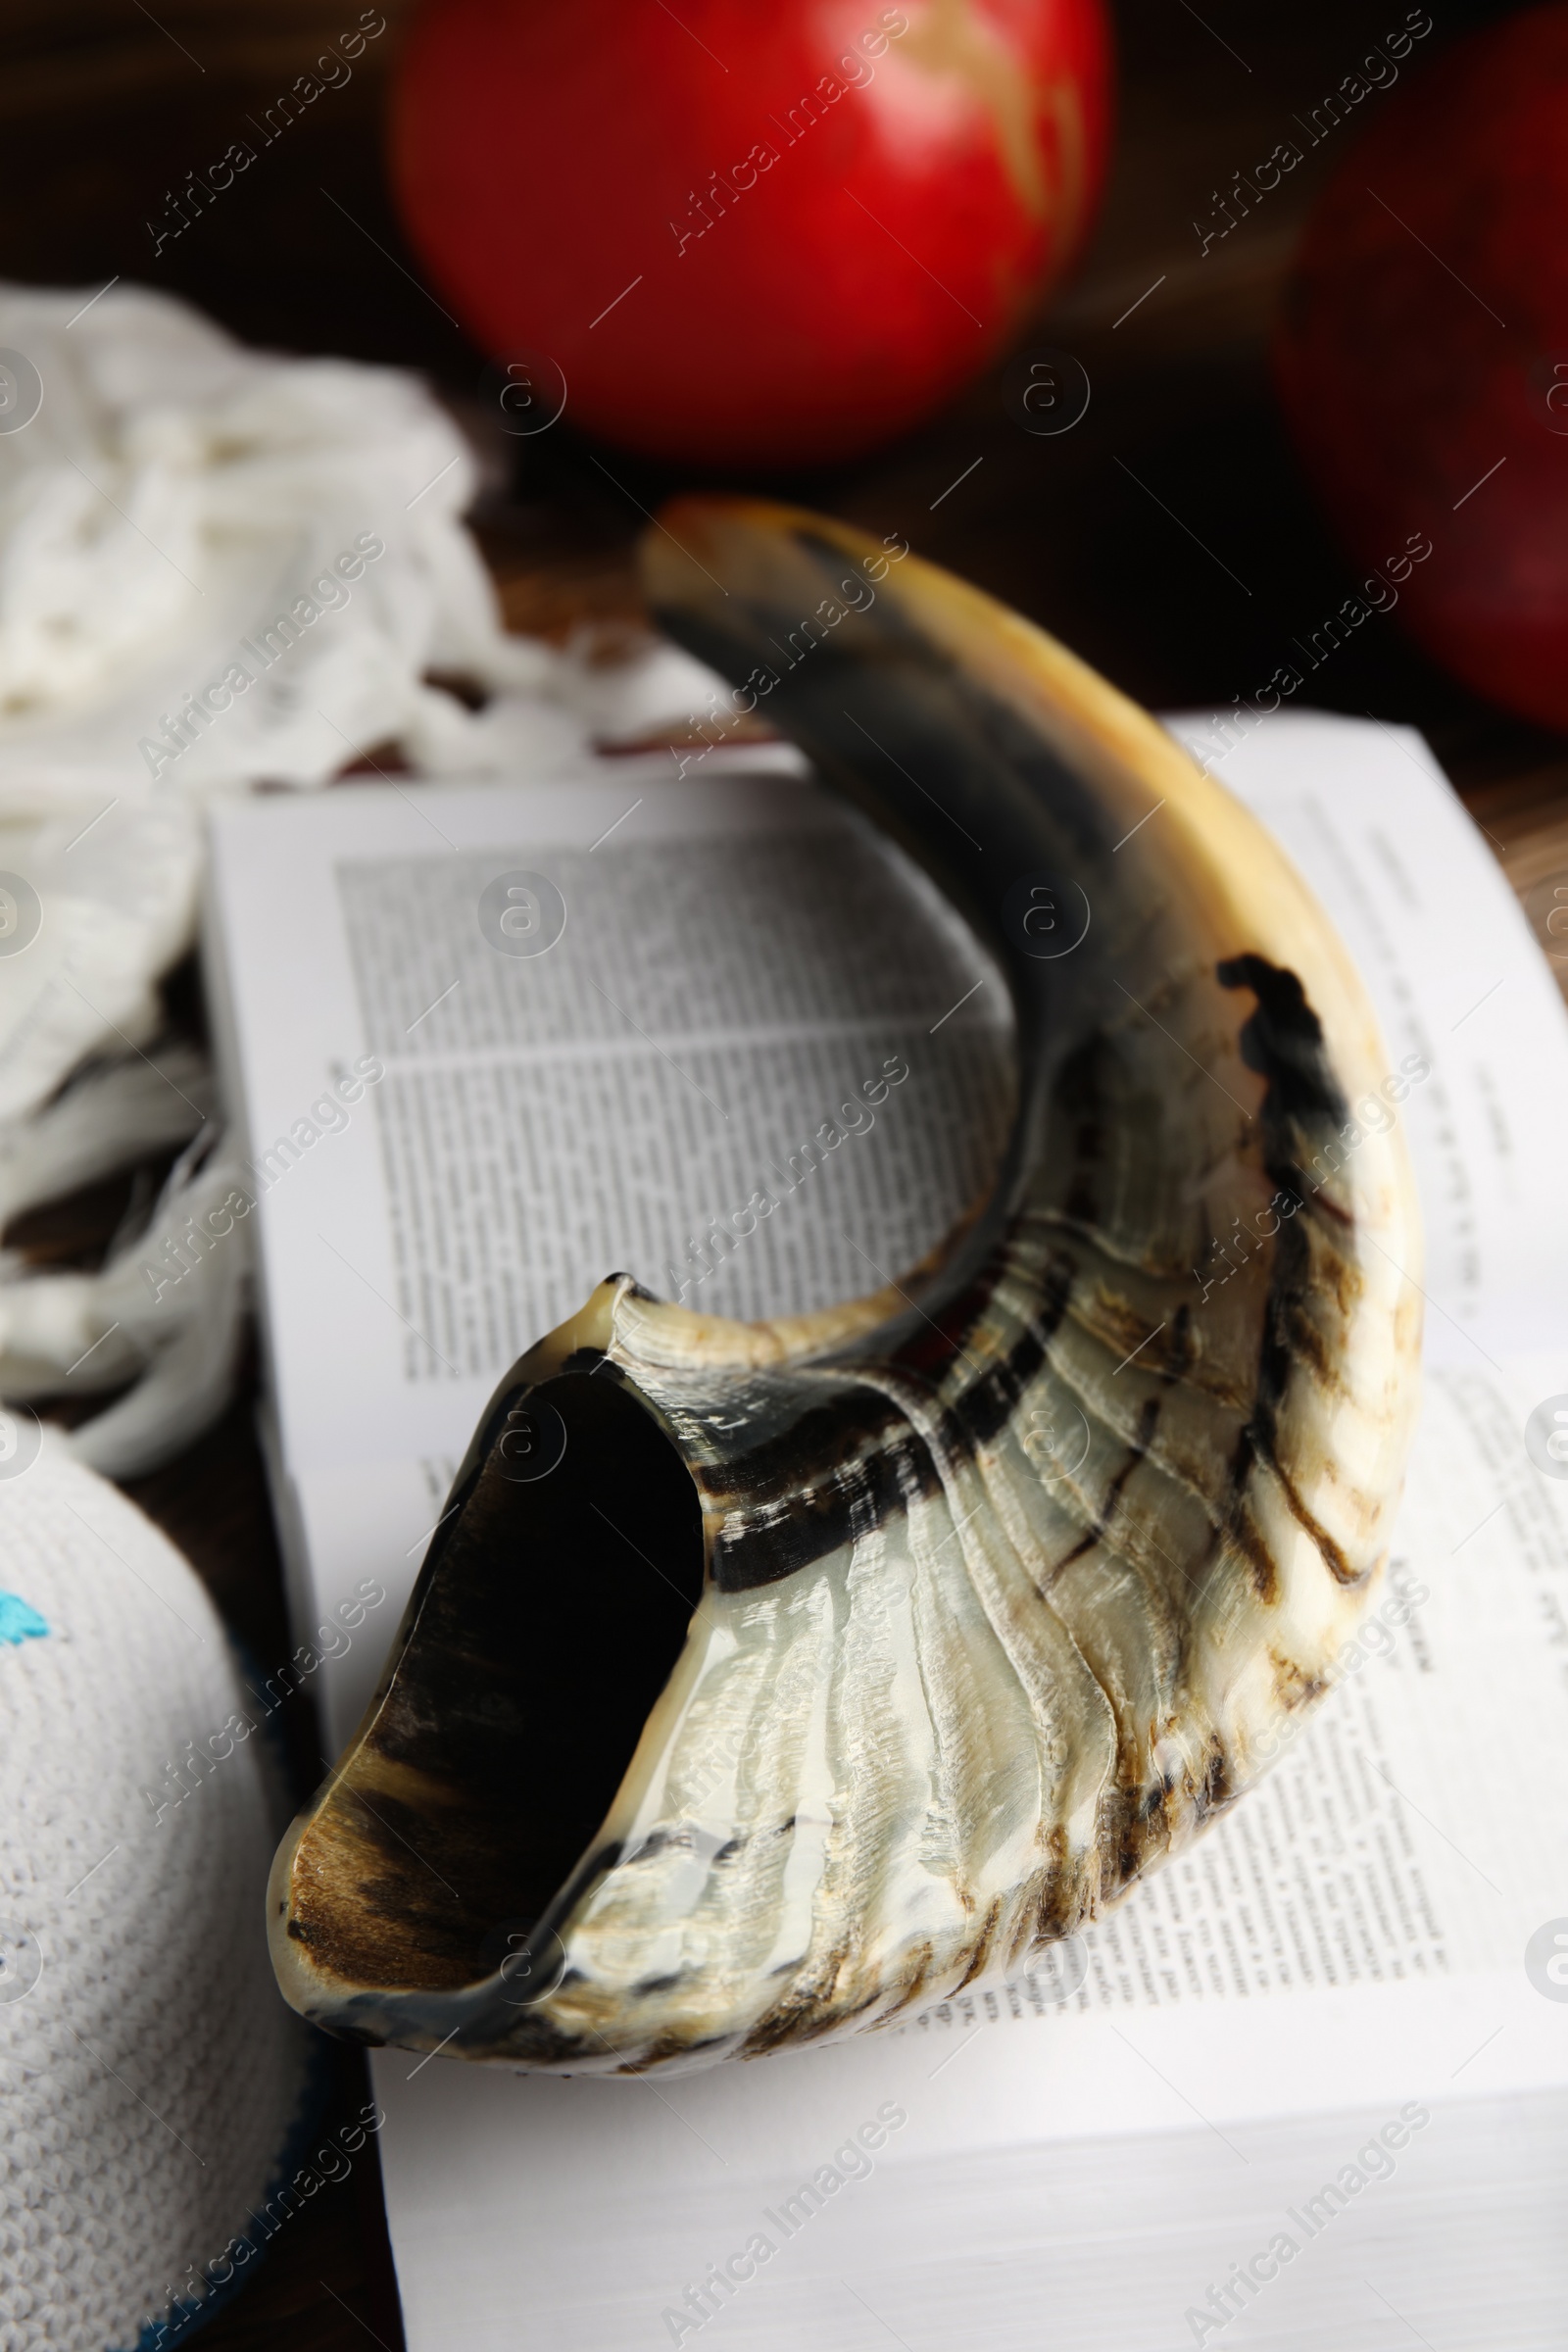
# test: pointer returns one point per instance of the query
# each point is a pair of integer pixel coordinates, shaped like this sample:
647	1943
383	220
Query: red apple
750	232
1423	357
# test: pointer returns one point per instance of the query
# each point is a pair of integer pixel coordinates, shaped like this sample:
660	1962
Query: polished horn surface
1001	1581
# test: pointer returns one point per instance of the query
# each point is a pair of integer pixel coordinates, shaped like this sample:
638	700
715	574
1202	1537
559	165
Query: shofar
838	1661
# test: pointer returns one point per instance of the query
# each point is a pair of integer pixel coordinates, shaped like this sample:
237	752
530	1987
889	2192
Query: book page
865	2215
721	970
1355	1930
695	1039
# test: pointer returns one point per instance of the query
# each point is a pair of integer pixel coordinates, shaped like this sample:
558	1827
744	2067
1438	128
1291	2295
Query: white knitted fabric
152	2073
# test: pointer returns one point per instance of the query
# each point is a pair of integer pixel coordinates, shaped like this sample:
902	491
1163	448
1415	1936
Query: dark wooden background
103	109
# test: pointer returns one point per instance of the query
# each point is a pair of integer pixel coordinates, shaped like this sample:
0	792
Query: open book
1309	2083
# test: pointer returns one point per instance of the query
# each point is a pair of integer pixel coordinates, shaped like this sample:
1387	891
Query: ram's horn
990	1592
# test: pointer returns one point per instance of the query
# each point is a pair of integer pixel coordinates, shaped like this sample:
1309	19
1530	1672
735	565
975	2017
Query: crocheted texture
152	2071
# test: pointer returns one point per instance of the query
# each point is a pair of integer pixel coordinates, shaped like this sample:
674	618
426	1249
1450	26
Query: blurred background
106	110
1171	536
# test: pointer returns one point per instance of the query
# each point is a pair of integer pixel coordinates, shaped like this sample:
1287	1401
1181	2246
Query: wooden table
1168	537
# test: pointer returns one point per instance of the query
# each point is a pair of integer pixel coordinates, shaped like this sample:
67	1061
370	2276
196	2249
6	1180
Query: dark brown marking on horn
1177	1359
1305	1336
1334	1559
772	1528
1147	1418
982	1950
983	1410
1121	1836
1217	1790
1294	1685
1282	1040
876	1460
1240	1528
1136	1452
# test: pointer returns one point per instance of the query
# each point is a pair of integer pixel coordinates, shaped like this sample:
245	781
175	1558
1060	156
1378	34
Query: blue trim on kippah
187	2314
19	1620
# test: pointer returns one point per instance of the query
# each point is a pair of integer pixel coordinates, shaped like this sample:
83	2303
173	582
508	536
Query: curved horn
1001	1584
